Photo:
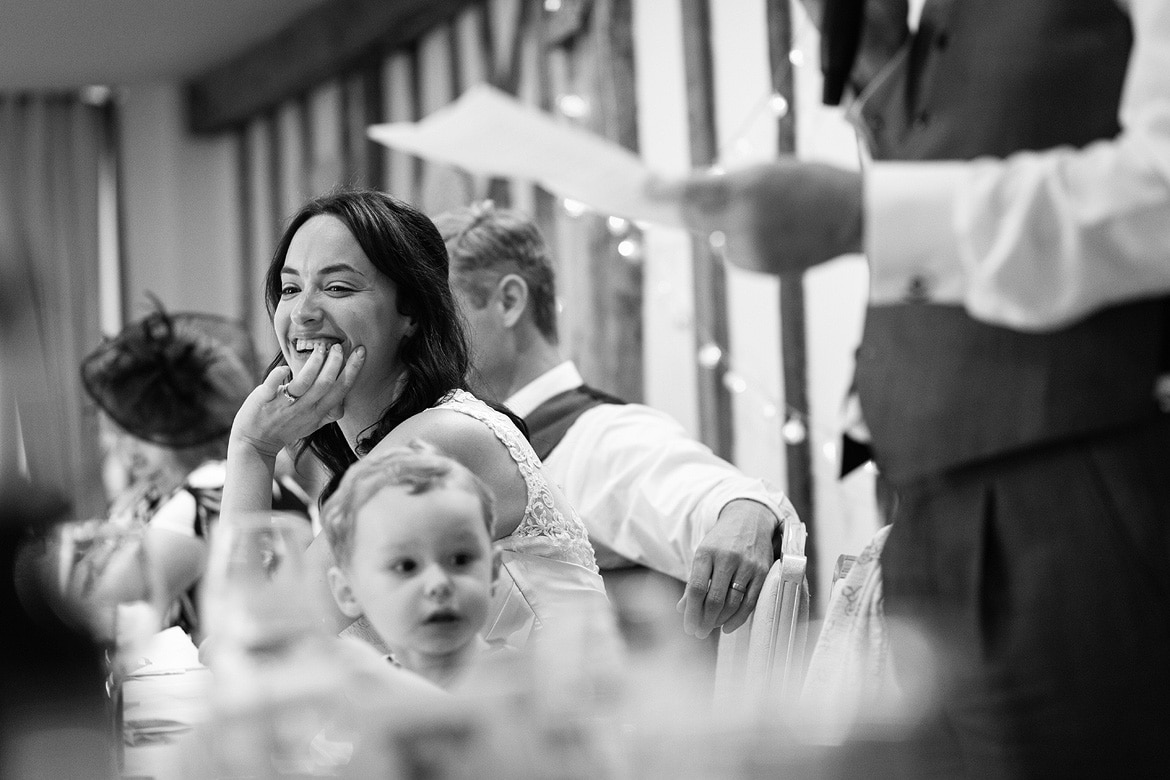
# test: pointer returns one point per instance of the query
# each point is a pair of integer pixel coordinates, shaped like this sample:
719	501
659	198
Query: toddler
411	531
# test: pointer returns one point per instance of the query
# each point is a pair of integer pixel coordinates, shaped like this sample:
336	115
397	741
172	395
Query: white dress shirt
1040	239
644	488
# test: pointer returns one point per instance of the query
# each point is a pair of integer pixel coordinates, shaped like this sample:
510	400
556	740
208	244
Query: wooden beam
617	290
793	346
244	184
323	43
715	415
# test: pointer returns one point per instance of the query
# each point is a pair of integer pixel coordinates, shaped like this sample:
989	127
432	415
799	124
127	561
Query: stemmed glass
105	573
257	594
275	681
106	580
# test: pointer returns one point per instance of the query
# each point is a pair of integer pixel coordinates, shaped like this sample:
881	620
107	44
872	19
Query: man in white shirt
1016	218
648	493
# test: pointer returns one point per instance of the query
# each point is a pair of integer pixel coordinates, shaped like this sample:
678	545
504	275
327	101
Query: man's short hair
419	467
485	243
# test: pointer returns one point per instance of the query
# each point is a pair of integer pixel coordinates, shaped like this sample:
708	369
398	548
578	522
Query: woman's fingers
288	406
344	372
276	378
328	363
317	383
306	378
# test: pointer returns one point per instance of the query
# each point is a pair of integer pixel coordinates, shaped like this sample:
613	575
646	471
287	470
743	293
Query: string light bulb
793	431
96	95
734	383
573	106
709	355
778	105
629	249
617	226
574	208
552	6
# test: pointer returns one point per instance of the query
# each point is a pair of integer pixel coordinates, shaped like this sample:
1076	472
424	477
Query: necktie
885	32
858	38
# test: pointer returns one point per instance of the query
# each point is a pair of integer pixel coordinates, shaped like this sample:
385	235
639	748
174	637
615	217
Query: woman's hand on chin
285	409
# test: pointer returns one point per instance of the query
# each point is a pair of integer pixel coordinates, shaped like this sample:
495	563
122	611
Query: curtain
51	147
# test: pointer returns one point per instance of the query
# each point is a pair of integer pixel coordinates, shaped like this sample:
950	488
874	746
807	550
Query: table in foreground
160	712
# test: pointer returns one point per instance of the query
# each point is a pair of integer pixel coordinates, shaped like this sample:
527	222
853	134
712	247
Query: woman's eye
339	288
287	290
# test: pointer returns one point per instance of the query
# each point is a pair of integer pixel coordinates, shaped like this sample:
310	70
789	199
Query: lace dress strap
544	530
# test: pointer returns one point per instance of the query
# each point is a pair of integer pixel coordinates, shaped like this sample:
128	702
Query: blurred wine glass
257	590
108	585
106	578
276	683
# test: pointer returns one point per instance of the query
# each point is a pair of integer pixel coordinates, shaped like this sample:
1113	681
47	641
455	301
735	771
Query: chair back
762	662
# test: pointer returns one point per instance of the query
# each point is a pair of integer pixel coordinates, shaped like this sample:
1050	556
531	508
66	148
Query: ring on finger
739	586
292	399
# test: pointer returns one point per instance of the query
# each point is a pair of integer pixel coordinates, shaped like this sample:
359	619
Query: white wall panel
668	284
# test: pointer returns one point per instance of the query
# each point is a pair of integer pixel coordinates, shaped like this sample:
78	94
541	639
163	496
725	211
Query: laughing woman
372	354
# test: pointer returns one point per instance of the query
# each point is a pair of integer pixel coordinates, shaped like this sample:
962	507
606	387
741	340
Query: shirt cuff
777	504
911	241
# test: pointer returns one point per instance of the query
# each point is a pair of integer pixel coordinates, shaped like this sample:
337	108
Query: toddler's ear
343	593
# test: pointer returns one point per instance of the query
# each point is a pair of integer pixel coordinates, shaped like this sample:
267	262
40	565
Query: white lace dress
548	580
544	530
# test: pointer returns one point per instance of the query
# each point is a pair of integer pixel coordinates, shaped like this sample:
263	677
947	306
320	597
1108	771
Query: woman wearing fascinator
168	387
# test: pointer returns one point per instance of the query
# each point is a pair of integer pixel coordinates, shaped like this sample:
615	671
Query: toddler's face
422	568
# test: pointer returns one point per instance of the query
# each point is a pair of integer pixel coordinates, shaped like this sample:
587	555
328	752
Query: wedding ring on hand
739	587
292	399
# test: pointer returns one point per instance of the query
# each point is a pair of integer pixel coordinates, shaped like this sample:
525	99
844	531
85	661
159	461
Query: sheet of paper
490	133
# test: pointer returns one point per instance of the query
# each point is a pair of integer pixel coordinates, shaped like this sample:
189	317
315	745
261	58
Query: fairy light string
797	424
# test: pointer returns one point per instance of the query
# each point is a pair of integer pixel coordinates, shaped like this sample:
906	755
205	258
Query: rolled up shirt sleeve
1037	240
646	489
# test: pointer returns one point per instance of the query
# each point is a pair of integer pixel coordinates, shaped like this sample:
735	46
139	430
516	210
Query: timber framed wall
648	313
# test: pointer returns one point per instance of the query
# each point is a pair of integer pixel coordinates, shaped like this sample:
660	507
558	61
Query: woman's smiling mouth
306	346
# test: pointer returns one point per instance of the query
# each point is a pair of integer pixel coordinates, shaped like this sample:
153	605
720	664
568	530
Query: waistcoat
549	422
939	389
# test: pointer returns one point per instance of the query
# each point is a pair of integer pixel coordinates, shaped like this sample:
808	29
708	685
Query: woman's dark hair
402	243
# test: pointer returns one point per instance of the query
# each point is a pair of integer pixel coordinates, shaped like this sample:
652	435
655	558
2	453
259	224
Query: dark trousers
1042	584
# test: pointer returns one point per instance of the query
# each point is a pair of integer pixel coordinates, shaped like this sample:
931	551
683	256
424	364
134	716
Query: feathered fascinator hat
176	380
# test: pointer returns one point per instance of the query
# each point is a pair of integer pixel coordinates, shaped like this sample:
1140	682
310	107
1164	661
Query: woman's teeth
307	345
